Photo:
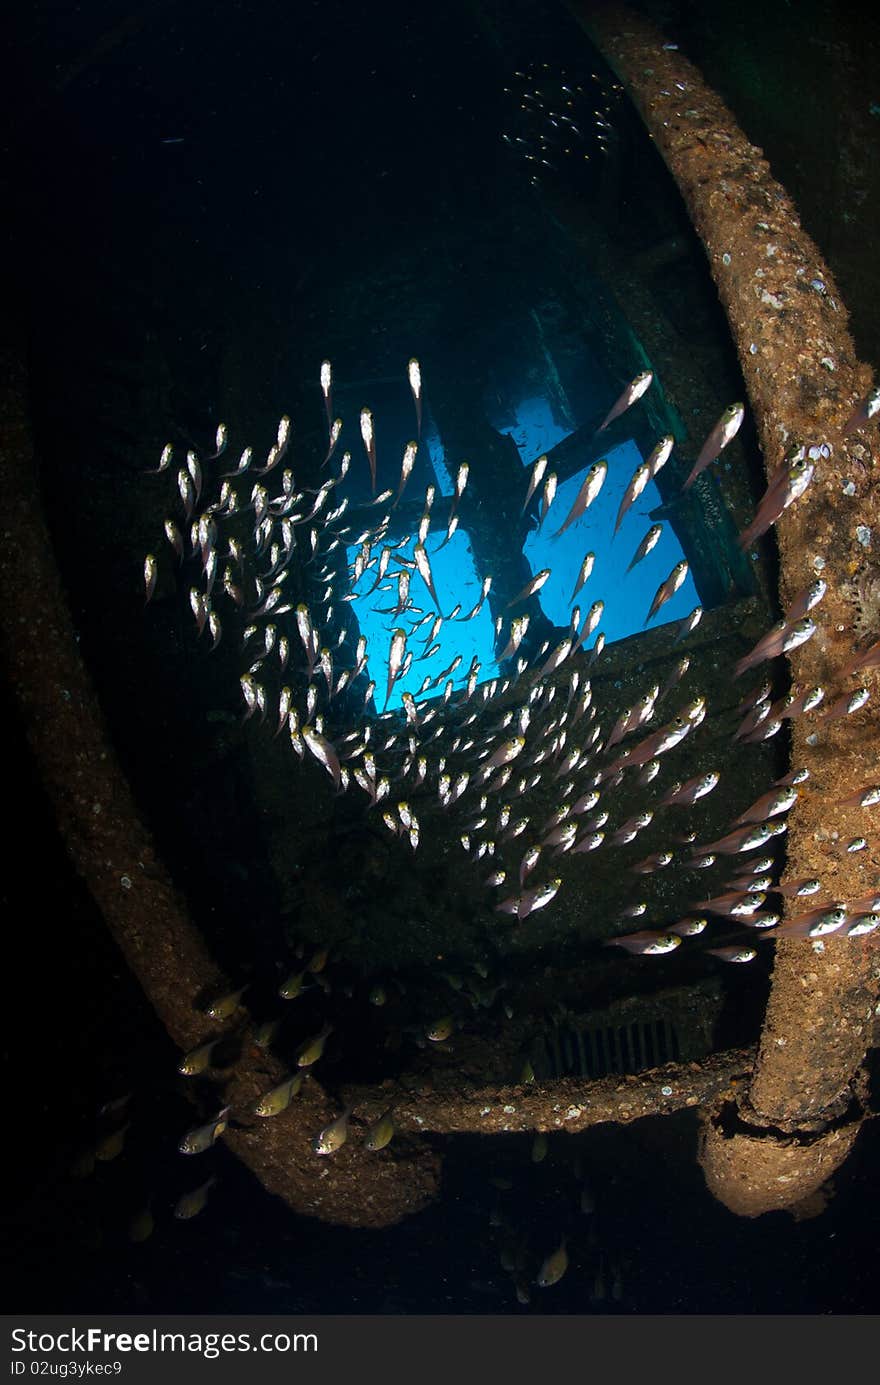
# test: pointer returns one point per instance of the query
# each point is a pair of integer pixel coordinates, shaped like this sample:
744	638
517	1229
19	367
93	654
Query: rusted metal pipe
798	359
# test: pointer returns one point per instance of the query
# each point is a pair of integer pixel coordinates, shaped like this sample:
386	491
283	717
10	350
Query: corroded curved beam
800	366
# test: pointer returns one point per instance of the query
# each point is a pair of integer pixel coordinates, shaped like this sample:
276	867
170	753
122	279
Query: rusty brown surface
798	359
752	1173
567	1104
113	852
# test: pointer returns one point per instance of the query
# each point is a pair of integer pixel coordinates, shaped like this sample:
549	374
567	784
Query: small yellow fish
587	1200
151	572
197	1140
293	986
280	1097
334	1135
115	1106
225	1005
191	1203
381	1132
83	1164
197	1060
265	1033
554	1267
318	961
111	1145
440	1029
309	1052
141	1226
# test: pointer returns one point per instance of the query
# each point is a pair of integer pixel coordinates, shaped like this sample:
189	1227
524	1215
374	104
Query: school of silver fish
482	751
455	741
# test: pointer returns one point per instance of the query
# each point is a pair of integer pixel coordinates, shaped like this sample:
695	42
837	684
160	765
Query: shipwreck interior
203	859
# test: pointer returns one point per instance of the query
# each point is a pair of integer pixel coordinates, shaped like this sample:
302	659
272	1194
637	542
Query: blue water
627	596
456	581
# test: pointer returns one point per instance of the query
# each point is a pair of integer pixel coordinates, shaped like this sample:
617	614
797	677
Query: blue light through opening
627	596
456	581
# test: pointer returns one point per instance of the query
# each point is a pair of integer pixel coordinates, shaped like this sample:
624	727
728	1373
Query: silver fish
406	466
781	639
640	478
585	569
733	954
164	460
424	566
786	485
530	588
694	789
725	429
634	391
688	625
327	389
323	752
518	627
547	498
668	588
461	481
648	943
805	600
590	488
369	440
395	659
414	375
594	615
537	898
534	480
660	454
647	543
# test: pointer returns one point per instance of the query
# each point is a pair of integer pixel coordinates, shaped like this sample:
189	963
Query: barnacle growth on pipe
799	362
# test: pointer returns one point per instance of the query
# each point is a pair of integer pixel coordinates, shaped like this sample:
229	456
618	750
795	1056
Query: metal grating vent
596	1052
633	1035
